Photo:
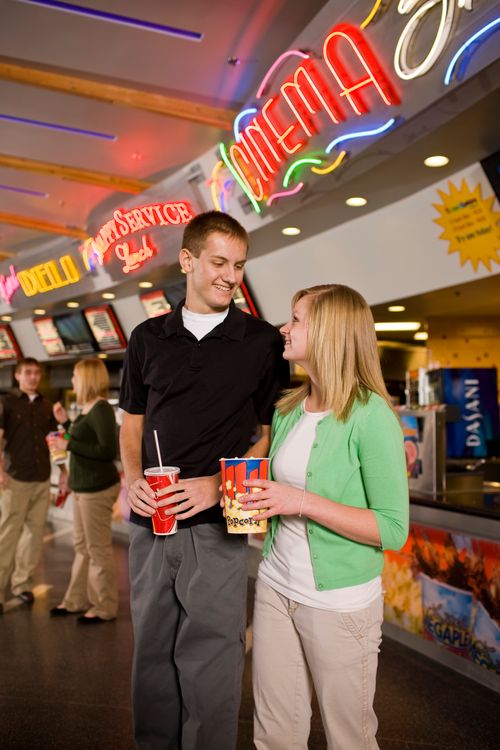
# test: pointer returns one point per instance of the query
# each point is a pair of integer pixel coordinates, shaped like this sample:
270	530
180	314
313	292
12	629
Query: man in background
25	419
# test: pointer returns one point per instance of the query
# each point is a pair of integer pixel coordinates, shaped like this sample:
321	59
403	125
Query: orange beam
42	226
75	174
11	70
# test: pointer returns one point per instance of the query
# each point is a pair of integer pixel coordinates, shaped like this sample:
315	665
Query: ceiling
241	39
209	80
476	299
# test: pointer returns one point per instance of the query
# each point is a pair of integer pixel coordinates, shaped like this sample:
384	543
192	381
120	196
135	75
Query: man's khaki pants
93	584
24	512
296	646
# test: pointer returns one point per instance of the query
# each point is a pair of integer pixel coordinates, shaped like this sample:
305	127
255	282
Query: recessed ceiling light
72	304
6	318
421	336
39	311
436	161
290	231
102	355
145	284
396	308
401	326
356	201
108	295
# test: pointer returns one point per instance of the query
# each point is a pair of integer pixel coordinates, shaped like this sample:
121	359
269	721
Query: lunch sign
316	107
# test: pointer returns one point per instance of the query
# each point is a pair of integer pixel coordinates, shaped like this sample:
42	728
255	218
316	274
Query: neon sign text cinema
346	85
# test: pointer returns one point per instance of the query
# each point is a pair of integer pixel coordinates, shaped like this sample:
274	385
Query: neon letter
309	97
401	64
373	74
276	128
235	152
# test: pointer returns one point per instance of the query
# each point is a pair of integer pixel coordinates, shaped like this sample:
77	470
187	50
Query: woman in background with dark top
95	483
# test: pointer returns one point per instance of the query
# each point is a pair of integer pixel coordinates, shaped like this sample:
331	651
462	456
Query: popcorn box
234	472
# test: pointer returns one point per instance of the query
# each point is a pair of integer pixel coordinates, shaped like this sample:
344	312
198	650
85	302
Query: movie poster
446	588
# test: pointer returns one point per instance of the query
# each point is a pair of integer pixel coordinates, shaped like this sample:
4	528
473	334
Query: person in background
337	498
25	419
203	377
95	483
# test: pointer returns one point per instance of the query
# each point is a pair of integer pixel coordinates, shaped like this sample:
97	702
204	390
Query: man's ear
186	260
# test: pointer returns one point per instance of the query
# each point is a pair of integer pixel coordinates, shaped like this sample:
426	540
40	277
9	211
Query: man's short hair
202	226
26	362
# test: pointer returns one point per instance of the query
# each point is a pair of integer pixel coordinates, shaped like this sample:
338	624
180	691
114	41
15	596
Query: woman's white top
288	568
200	324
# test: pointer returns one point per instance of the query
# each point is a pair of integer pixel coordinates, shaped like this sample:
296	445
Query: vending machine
475	433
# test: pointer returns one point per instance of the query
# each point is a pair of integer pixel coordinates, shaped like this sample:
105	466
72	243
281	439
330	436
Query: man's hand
141	498
192	496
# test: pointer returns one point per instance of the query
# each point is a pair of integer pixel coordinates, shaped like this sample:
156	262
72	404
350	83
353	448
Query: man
25	419
203	377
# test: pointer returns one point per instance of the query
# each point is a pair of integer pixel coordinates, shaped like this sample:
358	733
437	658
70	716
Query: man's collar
232	327
21	394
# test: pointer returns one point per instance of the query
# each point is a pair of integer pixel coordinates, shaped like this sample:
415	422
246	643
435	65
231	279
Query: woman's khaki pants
296	647
93	580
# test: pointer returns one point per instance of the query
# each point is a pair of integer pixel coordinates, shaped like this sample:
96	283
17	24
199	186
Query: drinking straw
158	449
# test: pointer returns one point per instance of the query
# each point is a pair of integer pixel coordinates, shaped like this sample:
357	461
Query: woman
340	497
94	480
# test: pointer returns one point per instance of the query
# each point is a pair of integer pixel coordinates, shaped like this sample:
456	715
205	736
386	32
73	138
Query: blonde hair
341	351
93	380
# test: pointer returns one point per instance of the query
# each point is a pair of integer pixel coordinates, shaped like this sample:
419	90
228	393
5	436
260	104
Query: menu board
75	333
155	304
49	336
105	327
9	348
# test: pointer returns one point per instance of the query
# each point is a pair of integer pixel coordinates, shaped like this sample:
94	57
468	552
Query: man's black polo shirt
25	424
204	397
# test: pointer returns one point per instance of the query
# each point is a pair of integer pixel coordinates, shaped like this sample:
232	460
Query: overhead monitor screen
75	333
9	348
105	327
49	336
155	304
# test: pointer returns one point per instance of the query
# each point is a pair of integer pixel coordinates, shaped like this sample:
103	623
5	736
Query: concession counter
442	590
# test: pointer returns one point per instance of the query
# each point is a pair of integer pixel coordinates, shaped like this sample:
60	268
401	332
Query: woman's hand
274	499
57	443
60	413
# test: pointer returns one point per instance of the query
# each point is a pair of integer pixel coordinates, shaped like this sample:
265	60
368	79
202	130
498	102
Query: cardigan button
310	531
309	473
320	586
315	445
315	557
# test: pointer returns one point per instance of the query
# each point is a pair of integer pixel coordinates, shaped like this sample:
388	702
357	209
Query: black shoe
63	612
93	620
26	597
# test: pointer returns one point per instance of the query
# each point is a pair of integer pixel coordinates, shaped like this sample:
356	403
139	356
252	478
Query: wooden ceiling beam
120	95
37	225
75	174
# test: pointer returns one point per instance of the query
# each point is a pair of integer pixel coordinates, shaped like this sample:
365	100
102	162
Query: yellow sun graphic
470	224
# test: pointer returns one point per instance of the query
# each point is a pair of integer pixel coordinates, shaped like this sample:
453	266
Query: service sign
356	80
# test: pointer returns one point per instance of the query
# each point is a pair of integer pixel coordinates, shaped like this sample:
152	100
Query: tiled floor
64	687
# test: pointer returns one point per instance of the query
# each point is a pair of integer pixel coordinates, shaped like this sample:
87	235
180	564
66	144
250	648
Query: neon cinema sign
116	233
348	80
288	120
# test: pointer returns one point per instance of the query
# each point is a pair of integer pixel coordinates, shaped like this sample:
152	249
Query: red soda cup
160	479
